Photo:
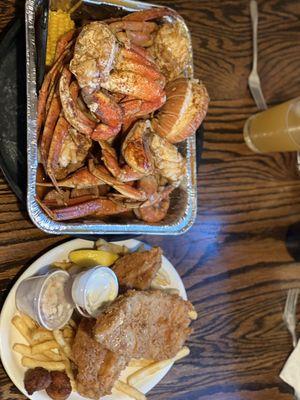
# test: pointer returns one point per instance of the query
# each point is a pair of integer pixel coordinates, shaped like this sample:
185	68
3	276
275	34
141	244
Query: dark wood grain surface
237	262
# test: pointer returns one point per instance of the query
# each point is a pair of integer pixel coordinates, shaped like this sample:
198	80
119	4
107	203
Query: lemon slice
91	258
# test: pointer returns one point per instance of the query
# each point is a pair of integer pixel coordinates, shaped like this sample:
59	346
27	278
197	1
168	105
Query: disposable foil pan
183	207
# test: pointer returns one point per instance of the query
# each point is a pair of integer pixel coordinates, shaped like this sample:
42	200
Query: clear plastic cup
46	299
276	129
93	289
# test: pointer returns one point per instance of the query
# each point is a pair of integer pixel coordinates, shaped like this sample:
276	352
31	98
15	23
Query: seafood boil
111	110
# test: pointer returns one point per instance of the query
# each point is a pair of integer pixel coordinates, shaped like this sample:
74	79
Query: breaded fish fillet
137	270
98	368
145	324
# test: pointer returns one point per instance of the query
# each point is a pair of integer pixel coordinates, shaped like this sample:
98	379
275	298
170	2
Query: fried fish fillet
137	270
145	324
98	368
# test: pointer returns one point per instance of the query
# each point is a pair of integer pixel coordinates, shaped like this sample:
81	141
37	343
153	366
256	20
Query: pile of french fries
47	349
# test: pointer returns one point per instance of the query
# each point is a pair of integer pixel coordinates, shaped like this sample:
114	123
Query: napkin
291	370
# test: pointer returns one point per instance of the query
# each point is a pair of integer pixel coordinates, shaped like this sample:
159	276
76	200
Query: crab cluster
110	111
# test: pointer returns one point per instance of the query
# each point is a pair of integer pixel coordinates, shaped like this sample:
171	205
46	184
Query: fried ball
36	379
60	387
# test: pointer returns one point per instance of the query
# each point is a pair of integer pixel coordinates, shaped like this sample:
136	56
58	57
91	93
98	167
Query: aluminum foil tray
183	207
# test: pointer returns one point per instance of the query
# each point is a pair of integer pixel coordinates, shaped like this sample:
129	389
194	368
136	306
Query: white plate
9	335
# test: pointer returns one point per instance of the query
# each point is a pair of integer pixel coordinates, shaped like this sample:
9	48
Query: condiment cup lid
93	289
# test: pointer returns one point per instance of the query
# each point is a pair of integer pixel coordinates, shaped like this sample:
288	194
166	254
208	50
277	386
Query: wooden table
236	261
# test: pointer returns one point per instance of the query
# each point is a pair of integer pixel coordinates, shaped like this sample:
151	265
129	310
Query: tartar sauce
54	306
94	288
100	289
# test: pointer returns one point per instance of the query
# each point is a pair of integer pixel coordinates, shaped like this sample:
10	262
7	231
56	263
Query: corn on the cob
59	22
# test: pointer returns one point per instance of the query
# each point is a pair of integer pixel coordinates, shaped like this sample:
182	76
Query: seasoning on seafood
171	49
168	160
184	110
107	120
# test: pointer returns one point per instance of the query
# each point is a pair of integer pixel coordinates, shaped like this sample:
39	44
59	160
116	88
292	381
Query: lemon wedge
91	258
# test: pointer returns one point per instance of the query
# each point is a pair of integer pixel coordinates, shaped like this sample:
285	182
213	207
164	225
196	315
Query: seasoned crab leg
135	148
68	203
152	13
125	189
135	108
49	85
139	33
49	127
108	111
60	133
139	26
81	179
110	159
132	84
63	41
129	60
101	206
72	112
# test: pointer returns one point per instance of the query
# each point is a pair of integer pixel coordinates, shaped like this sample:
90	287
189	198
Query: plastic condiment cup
93	289
30	295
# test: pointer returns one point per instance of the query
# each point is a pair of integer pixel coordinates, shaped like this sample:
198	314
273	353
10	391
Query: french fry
29	322
193	314
20	325
161	278
48	365
102	244
140	363
53	356
68	332
63	264
22	349
70	374
72	324
143	373
63	344
41	347
129	390
41	335
26	351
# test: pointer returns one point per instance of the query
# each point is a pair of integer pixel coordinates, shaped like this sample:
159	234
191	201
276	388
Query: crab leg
137	26
128	60
63	41
69	202
108	111
152	13
135	148
125	189
47	86
132	84
49	127
100	206
43	95
134	108
109	157
72	112
139	38
60	133
142	52
81	179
